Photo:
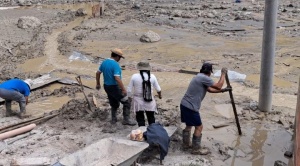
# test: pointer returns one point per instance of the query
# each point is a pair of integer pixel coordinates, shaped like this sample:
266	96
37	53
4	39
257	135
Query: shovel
233	104
90	110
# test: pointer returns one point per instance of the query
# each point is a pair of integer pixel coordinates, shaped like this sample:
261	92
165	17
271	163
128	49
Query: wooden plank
297	130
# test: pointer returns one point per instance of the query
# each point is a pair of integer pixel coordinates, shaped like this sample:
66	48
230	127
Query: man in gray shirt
191	103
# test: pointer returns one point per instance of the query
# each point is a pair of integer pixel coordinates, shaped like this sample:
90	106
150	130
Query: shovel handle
78	79
233	105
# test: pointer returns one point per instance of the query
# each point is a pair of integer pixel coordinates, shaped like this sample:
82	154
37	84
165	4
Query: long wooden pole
297	130
233	105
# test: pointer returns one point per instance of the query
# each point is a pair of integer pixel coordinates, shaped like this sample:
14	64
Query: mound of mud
74	109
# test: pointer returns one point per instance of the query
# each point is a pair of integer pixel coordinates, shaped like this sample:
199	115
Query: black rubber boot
8	112
114	115
126	117
186	139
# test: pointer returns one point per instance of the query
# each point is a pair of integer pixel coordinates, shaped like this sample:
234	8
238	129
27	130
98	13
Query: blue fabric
156	134
190	117
110	68
16	85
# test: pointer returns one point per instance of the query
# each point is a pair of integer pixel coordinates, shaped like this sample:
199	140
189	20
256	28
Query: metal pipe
268	56
297	130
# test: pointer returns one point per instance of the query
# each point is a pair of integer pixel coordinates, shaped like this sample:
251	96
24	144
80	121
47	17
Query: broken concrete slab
37	161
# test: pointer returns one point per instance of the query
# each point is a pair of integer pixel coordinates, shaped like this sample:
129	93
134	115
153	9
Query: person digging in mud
16	90
191	102
114	87
142	98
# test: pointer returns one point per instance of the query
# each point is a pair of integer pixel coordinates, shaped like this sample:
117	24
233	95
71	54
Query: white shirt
135	90
136	84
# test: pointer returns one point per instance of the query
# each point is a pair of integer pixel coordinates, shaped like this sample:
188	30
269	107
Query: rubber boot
127	120
186	139
8	112
196	146
114	115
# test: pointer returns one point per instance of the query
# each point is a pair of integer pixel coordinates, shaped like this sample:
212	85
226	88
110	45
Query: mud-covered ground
225	33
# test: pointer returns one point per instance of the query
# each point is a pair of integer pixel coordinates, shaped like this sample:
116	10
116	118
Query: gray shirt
196	91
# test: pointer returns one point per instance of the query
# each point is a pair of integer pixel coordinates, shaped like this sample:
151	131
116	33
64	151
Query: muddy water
260	146
276	81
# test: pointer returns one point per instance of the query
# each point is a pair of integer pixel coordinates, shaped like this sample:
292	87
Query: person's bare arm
98	86
120	83
159	94
219	84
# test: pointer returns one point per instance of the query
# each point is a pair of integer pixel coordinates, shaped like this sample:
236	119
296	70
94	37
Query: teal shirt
110	68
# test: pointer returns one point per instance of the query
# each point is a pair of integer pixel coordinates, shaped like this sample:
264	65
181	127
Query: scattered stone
26	22
279	163
80	12
150	37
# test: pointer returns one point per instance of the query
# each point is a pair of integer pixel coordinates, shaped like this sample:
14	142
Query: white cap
28	82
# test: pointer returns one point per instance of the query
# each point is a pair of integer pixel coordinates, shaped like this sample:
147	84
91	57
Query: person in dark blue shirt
114	86
15	90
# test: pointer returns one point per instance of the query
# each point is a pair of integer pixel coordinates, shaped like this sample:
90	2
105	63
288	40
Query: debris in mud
279	163
223	150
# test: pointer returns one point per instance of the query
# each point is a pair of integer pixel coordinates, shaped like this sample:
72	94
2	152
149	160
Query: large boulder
26	22
150	37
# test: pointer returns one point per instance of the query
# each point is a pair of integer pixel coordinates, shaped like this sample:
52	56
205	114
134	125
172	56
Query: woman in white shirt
140	91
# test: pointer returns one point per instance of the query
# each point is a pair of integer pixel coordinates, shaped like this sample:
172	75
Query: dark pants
114	94
11	95
140	118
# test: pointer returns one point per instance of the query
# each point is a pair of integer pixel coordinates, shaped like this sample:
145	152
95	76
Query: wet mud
224	33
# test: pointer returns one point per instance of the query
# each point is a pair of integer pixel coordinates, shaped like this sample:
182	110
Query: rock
80	12
150	37
21	2
136	6
26	22
279	163
204	151
210	15
177	13
253	105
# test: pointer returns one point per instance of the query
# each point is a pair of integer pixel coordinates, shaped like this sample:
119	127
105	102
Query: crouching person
15	90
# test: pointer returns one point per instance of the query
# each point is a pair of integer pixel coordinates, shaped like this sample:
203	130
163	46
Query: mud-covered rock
26	22
150	37
279	163
80	12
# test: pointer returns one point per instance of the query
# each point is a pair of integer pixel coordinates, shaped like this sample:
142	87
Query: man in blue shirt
15	90
114	86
